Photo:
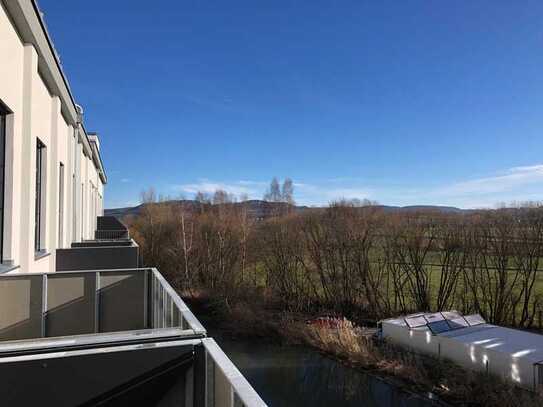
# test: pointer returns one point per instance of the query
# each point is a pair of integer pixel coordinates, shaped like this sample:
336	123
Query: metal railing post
97	302
199	371
43	327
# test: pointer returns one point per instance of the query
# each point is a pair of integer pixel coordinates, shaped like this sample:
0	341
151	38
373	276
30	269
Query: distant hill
120	213
418	208
259	209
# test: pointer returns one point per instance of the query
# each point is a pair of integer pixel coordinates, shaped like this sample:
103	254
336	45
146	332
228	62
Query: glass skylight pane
414	322
456	323
474	319
439	327
436	316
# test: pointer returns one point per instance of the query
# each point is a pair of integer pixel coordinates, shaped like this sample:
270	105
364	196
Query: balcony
109	227
98	255
112	248
109	337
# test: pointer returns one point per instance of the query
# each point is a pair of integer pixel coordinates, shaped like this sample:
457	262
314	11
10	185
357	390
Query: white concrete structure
472	343
52	180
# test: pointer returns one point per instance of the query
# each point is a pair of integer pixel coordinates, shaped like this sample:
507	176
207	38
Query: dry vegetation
358	262
361	263
421	373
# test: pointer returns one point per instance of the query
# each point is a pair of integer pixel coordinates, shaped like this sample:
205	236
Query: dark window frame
4	112
82	234
38	215
60	204
74	190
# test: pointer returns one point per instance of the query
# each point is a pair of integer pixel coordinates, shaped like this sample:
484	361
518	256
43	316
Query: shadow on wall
20	307
75	305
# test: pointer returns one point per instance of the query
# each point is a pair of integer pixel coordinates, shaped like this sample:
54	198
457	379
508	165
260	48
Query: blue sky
403	102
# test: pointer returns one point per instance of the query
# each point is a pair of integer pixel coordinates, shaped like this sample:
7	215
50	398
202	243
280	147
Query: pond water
298	376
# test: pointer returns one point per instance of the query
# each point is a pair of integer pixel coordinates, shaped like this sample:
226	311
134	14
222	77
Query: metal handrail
240	389
188	316
111	234
170	308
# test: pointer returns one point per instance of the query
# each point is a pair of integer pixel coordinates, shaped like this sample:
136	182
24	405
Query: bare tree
183	244
281	253
450	255
415	240
148	196
528	251
350	258
287	192
274	193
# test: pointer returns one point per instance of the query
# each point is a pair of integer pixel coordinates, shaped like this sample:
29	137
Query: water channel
286	375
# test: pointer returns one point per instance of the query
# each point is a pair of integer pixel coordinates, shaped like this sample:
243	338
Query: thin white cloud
349	193
125	180
510	180
253	183
210	187
322	194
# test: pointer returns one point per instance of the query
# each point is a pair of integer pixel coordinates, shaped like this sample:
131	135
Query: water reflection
294	376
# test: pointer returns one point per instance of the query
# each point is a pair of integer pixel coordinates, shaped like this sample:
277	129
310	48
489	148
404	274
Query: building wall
37	113
416	339
11	79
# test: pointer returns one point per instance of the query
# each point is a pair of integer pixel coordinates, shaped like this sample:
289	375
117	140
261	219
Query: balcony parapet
98	255
112	337
67	303
110	228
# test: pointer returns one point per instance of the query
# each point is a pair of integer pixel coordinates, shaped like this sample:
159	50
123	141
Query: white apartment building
51	173
76	308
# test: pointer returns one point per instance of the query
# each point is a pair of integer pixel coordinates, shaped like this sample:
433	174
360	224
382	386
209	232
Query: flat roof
517	343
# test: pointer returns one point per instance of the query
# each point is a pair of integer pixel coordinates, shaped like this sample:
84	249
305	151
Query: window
82	211
3	114
60	204
74	208
40	198
92	207
74	192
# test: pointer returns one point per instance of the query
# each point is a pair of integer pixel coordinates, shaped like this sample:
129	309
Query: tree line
362	262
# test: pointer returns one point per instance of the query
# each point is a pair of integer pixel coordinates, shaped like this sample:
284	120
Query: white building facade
76	308
51	173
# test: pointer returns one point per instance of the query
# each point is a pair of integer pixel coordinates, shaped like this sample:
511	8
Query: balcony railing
110	336
87	302
110	234
226	386
110	228
168	309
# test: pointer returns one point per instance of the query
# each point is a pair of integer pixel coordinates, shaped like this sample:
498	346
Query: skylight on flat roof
474	319
415	322
438	327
